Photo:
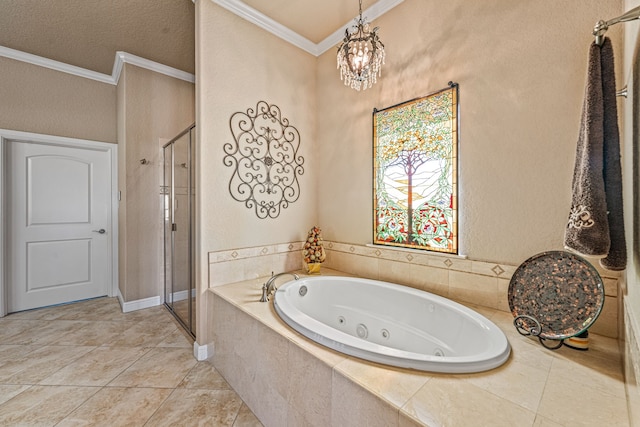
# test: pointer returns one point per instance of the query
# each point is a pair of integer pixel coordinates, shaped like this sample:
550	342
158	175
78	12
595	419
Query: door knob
101	231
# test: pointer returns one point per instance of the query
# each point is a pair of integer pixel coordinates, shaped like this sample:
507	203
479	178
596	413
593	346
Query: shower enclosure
179	221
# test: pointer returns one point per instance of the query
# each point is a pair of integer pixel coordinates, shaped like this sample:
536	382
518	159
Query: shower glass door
179	196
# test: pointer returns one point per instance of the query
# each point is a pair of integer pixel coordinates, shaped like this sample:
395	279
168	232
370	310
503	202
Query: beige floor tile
177	338
204	376
99	309
43	406
81	310
571	403
405	420
545	422
96	333
145	333
67	372
12	329
12	352
153	314
187	407
9	391
246	418
114	407
160	367
37	365
45	332
452	401
96	368
48	313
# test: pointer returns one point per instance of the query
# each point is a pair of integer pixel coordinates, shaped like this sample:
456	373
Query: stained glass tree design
415	155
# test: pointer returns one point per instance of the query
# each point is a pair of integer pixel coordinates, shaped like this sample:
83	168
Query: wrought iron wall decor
265	160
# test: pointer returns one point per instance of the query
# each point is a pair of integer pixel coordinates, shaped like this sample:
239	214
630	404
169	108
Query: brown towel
595	226
587	230
612	172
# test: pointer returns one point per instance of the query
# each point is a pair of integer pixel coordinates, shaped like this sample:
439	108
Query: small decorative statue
313	252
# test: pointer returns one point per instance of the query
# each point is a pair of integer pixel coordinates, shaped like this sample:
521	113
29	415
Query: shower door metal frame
188	324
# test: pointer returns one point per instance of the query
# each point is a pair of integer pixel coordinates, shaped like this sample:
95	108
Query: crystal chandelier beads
361	55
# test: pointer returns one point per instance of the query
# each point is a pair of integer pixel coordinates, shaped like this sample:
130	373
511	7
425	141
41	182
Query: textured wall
521	68
238	65
155	109
40	100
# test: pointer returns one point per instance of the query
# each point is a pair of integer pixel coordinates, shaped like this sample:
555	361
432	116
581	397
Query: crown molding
372	13
250	14
121	59
128	58
19	55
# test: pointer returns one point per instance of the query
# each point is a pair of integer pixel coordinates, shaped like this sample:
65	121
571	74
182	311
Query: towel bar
622	92
602	26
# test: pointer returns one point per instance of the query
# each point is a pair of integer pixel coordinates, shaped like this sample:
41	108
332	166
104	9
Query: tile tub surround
631	348
454	277
235	265
287	379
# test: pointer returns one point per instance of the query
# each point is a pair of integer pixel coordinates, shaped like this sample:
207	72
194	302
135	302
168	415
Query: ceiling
314	20
88	33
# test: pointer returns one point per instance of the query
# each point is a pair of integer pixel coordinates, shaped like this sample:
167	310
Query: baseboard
182	295
138	304
202	352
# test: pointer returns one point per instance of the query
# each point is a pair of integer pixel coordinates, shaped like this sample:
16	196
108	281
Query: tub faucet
268	287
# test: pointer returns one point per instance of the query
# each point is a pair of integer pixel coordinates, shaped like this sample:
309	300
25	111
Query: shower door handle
101	231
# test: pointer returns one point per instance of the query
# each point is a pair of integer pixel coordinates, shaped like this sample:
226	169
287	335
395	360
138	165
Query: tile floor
89	364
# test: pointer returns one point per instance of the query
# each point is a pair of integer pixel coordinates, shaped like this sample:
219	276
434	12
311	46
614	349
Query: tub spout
268	287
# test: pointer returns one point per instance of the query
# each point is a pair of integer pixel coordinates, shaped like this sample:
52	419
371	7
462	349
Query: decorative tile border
455	277
253	252
234	265
437	260
450	262
413	257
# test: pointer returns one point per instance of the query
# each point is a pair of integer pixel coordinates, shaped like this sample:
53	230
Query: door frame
111	149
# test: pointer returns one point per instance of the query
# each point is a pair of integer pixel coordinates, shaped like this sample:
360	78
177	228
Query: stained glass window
415	173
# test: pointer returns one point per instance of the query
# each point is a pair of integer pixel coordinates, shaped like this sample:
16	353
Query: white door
59	216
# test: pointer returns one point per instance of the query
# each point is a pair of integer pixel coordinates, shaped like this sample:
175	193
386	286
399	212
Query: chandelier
361	55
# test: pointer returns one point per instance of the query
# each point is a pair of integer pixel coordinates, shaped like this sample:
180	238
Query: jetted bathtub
391	324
